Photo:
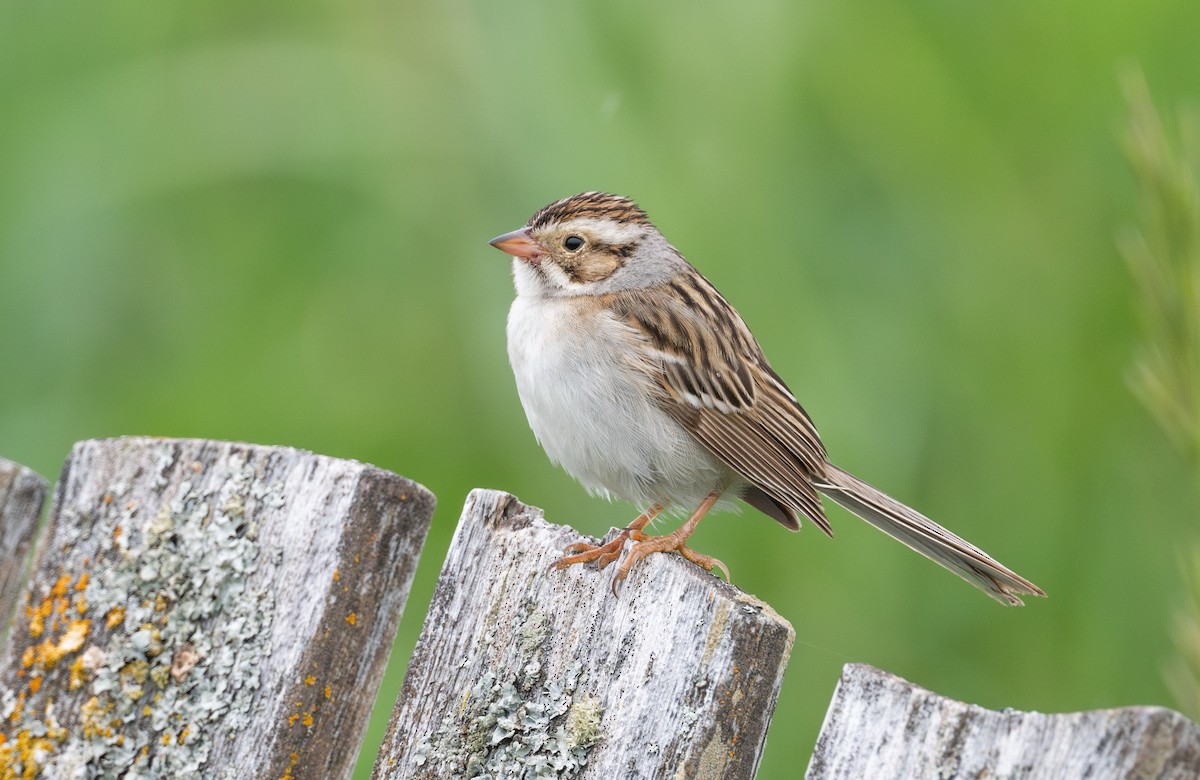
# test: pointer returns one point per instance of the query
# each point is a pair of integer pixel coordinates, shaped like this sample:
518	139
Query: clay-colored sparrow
644	384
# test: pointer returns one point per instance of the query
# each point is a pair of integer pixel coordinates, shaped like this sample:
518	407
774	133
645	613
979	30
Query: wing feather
717	384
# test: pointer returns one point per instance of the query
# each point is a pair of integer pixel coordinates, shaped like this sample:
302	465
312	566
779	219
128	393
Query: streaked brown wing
718	385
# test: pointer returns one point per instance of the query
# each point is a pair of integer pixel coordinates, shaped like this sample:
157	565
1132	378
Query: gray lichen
177	631
509	726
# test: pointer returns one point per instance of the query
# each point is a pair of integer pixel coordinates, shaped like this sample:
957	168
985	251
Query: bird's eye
572	243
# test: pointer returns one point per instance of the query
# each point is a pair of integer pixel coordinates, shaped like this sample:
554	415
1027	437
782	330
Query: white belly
593	413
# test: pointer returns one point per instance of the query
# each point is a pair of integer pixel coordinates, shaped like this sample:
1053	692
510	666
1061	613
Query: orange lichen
18	708
336	576
328	691
74	637
82	583
293	718
287	773
23	756
115	617
310	680
95	724
49	653
61	587
308	719
37	617
75	681
352	618
35	684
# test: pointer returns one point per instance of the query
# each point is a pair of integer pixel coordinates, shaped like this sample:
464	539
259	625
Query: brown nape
599	205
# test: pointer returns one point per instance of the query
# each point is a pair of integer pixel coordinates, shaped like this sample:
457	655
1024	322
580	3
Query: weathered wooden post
879	725
22	494
207	609
524	670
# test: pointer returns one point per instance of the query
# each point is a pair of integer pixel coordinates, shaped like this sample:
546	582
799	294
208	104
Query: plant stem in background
1164	257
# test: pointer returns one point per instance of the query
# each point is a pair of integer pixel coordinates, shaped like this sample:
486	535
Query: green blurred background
268	222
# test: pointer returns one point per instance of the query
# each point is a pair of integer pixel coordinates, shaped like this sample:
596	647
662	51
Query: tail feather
917	531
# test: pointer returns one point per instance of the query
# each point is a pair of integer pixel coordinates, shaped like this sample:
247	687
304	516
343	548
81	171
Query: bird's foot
602	554
672	542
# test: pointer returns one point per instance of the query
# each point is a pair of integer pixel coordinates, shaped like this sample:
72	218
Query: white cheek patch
557	277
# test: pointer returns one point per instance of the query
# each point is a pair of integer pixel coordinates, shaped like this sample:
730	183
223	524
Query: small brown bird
644	384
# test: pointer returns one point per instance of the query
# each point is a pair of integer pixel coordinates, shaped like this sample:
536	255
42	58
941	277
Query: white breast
592	409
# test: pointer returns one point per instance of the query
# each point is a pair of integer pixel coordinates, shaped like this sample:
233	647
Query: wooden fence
208	609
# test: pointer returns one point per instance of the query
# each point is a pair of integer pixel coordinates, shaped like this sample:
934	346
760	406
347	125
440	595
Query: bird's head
588	244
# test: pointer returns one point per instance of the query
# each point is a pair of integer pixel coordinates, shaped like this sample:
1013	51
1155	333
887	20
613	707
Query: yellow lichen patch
136	670
352	618
95	724
23	756
336	576
61	587
115	617
74	637
35	684
81	604
37	617
287	773
161	676
75	681
183	734
293	718
18	708
27	657
82	583
310	680
308	719
328	691
49	653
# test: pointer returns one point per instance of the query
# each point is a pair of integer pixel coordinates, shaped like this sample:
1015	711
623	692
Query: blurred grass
1163	255
268	222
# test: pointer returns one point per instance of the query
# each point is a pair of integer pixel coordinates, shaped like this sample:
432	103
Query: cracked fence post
22	494
524	671
879	725
207	609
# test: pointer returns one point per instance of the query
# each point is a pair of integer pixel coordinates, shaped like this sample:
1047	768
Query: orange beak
518	244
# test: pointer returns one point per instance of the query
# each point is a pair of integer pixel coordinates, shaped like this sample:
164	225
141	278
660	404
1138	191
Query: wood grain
879	725
208	609
22	495
524	671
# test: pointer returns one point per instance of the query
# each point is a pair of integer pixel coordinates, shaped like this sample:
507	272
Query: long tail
926	537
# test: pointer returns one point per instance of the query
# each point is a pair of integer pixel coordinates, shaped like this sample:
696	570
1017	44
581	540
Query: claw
644	545
584	552
706	562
